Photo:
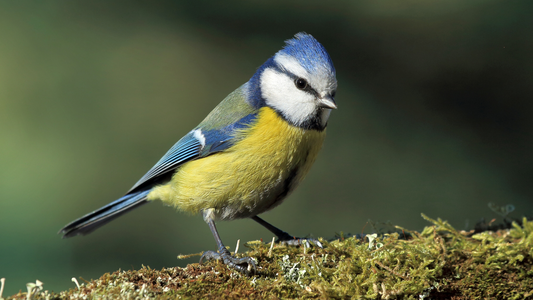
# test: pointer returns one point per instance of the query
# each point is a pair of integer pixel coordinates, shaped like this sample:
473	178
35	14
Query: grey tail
103	215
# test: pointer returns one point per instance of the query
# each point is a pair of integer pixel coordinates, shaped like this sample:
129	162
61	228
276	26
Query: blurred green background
435	116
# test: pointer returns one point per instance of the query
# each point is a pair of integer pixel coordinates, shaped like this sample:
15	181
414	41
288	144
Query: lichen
437	263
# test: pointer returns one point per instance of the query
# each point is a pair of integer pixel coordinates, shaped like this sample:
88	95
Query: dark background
435	116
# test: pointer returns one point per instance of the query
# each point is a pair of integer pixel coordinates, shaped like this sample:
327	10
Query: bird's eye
333	94
300	83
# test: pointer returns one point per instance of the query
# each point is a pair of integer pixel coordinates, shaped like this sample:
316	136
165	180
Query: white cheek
279	92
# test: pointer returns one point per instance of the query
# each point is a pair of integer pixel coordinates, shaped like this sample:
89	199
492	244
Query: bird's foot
288	240
245	265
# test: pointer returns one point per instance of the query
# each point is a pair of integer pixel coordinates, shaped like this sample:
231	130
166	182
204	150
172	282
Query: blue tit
247	155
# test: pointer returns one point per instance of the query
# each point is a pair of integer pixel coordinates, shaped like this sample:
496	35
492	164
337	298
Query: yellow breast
248	178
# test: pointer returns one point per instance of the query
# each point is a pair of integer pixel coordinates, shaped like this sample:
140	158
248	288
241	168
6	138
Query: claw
294	241
286	239
245	265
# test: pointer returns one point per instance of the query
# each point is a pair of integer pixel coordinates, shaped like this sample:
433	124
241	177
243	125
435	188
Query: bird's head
298	82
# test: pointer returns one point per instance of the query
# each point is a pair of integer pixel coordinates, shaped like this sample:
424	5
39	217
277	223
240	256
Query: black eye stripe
299	83
309	89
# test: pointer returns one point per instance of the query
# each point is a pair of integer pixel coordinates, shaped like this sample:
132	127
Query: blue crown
309	52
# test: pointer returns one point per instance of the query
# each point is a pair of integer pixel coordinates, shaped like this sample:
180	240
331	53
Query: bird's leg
284	237
245	265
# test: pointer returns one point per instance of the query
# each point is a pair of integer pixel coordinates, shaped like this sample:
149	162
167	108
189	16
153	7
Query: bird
247	155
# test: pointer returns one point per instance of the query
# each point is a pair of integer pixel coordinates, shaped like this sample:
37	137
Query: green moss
439	262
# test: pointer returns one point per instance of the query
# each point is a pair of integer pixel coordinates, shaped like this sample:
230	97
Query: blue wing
185	149
196	144
216	133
